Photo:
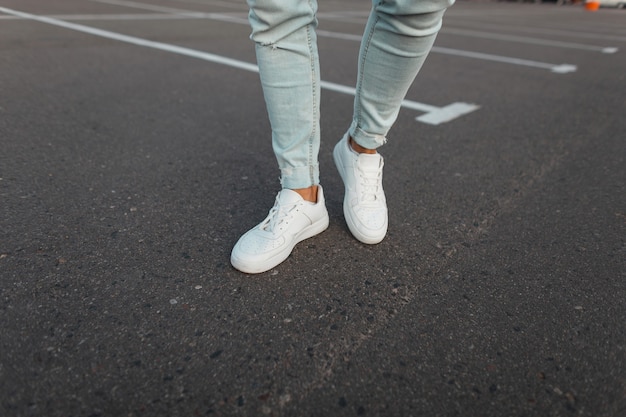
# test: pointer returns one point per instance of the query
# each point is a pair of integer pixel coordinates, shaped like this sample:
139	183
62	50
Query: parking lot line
555	68
580	34
171	10
433	115
168	13
123	16
451	30
529	40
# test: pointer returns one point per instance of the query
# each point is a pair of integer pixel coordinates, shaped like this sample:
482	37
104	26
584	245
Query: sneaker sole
257	268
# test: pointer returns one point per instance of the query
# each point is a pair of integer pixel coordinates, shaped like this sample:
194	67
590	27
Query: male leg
398	37
286	49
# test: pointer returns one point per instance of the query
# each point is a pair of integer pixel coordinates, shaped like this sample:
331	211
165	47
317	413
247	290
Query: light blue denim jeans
398	36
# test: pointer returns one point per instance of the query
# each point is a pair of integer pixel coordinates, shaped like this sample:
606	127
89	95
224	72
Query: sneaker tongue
369	161
288	196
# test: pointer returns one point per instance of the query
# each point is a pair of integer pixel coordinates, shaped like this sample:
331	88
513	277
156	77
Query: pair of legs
398	36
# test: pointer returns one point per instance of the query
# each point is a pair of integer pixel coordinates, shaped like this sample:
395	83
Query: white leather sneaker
364	203
291	220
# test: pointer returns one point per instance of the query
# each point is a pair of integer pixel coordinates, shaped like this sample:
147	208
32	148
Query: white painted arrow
433	115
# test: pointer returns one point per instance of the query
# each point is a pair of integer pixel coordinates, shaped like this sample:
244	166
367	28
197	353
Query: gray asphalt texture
127	174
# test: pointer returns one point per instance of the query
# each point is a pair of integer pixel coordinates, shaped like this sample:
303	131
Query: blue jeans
398	36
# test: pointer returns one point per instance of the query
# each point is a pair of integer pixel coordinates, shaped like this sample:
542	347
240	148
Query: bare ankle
308	194
359	149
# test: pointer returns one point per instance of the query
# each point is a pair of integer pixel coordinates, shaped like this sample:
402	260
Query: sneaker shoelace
371	182
277	215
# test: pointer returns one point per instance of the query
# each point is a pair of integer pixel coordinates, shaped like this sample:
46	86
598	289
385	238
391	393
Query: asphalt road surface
135	150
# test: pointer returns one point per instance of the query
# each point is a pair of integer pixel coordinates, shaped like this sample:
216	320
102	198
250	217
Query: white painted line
438	115
237	5
433	115
177	12
452	30
134	40
447	113
339	35
527	40
168	13
142	16
476	55
559	69
579	33
145	6
131	16
161	9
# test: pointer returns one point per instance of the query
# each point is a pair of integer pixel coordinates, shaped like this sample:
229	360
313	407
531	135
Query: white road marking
237	5
609	50
125	16
168	13
580	33
558	69
434	115
526	39
447	29
154	8
134	40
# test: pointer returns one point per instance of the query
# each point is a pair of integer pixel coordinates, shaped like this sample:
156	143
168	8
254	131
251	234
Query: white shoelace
371	182
277	215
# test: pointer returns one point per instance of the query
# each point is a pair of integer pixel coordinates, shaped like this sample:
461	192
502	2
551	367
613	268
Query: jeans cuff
299	177
366	140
